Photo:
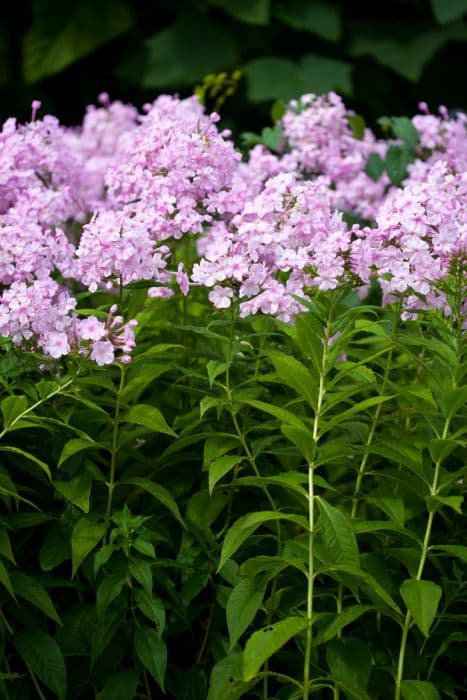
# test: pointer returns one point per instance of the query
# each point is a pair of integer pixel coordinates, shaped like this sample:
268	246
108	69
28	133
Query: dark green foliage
155	519
383	58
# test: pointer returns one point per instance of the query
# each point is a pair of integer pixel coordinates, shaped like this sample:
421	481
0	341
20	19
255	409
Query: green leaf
374	166
32	458
86	534
422	599
249	11
225	678
302	439
272	137
182	54
62	34
104	631
441	449
110	587
447	11
102	556
337	534
242	606
435	503
76	445
152	652
397	160
5	545
282	414
330	629
246	525
321	74
357	408
208	402
43	656
12	407
55	549
214	369
393	507
220	467
278	110
350	663
144	547
320	18
120	686
419	690
5	580
148	416
366	581
266	641
31	590
158	492
296	375
272	78
77	490
141	572
408	54
403	129
357	125
457	550
151	606
290	480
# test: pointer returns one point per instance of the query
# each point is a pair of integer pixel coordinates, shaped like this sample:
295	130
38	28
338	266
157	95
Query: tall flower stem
311	514
114	447
378	410
421	567
252	462
457	315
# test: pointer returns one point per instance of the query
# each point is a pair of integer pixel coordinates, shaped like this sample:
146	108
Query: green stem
421	567
37	687
241	436
311	520
114	448
377	414
433	491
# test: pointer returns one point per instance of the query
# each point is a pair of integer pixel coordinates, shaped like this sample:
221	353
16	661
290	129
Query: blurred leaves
249	11
62	33
407	54
279	78
320	18
183	53
283	48
446	11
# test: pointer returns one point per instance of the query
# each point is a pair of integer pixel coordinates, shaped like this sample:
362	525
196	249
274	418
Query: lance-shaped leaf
422	599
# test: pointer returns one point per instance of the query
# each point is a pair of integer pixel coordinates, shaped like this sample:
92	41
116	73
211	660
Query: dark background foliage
382	57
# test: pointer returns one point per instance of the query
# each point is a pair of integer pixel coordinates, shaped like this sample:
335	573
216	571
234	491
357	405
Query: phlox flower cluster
318	143
170	181
421	231
284	240
441	137
106	204
42	189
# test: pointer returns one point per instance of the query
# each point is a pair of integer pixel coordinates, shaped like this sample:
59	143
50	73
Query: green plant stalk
37	687
271	501
364	460
254	466
377	414
433	491
311	520
114	448
421	567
